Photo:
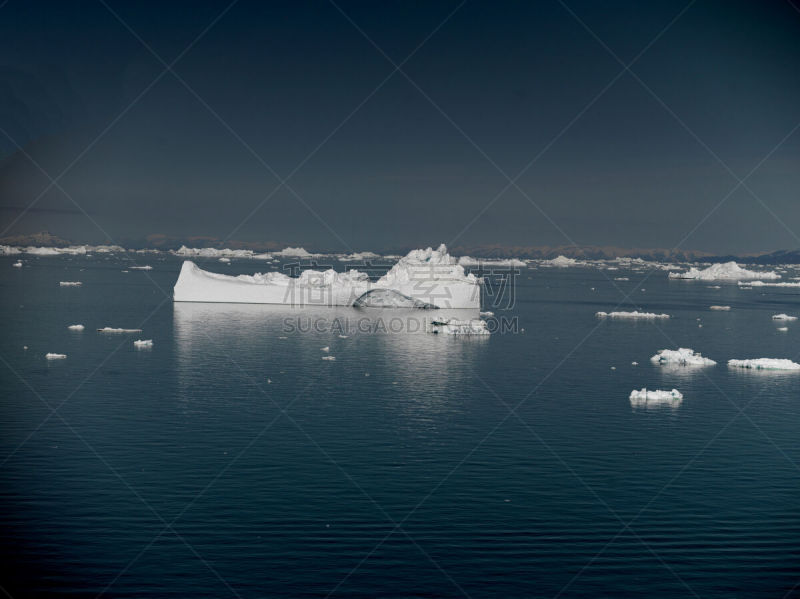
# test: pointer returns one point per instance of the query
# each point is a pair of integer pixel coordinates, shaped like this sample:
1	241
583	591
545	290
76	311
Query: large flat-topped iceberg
729	271
682	356
765	364
425	277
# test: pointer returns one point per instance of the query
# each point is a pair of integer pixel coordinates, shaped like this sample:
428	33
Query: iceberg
682	356
470	261
425	278
145	267
291	252
143	343
632	315
765	364
70	283
17	264
643	398
763	284
113	330
330	358
50	356
721	308
453	326
783	317
783	329
729	271
561	262
76	327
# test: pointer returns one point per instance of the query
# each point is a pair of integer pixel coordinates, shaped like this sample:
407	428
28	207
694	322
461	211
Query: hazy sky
384	158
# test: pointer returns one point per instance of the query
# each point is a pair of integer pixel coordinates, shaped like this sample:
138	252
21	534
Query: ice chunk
55	356
763	284
291	252
729	271
722	308
76	327
469	261
143	343
643	398
70	283
621	279
765	364
17	264
631	315
783	317
453	326
486	314
331	358
114	330
428	276
224	259
325	349
682	356
145	267
783	329
561	262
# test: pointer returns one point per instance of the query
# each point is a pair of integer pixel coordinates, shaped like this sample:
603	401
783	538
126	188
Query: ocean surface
231	460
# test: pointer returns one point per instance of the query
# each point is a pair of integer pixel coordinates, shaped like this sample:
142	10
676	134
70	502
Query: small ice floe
783	329
561	262
683	356
114	330
713	287
143	343
325	349
644	398
729	271
70	283
76	327
783	317
225	260
328	357
633	315
613	368
722	308
621	279
453	326
486	314
763	284
765	364
343	336
55	356
17	264
634	363
145	267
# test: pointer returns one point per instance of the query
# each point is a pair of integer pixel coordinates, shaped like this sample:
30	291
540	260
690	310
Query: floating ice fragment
682	356
55	356
145	267
76	327
329	358
114	330
644	398
633	315
143	343
17	264
783	329
70	283
453	326
486	314
325	349
765	364
721	308
729	271
763	284
621	279
561	262
783	317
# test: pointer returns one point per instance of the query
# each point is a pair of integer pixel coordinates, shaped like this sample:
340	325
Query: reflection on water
377	346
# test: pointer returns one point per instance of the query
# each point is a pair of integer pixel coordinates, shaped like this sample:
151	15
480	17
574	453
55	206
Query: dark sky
381	160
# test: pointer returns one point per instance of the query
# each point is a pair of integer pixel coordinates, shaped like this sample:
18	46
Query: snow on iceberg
453	326
114	330
76	327
729	271
427	276
70	283
643	398
783	317
143	343
632	315
765	364
50	356
682	356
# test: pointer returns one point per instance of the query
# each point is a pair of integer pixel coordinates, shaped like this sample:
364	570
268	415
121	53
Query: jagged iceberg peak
425	265
728	271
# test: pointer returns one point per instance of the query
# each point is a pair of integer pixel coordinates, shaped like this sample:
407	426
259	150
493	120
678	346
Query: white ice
722	308
17	264
70	283
632	315
643	398
142	343
729	271
682	356
331	358
765	364
76	327
783	317
763	284
55	356
453	326
470	261
561	262
116	330
145	267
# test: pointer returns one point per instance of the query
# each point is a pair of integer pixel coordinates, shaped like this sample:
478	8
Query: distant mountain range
589	252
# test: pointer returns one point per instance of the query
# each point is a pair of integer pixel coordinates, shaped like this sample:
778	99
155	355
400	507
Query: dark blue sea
231	460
